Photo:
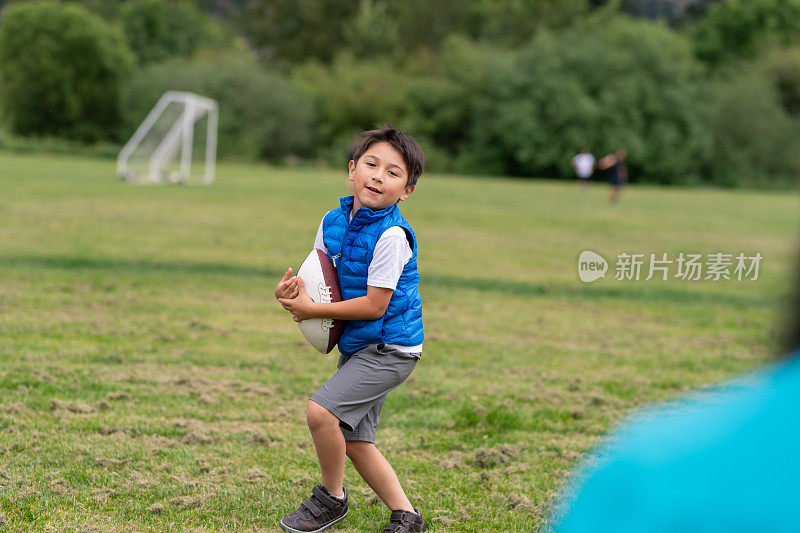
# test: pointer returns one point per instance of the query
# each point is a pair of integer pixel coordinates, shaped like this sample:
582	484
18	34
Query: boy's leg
350	403
330	446
379	474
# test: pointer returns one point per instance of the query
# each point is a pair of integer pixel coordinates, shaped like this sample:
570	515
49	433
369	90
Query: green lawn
149	381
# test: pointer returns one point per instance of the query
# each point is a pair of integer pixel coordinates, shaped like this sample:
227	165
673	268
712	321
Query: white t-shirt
584	165
392	252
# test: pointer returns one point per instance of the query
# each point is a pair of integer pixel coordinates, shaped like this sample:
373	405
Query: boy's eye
393	173
369	163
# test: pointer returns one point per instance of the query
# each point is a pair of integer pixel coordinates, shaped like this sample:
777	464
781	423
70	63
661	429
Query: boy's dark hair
403	143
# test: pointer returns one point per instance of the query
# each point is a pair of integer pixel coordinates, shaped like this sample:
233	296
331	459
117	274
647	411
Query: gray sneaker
405	521
319	512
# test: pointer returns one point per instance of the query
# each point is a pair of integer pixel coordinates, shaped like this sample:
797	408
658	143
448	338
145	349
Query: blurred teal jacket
723	460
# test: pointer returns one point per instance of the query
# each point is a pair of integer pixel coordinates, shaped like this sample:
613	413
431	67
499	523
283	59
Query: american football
322	285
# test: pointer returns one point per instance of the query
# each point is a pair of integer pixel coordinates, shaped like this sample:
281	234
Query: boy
374	251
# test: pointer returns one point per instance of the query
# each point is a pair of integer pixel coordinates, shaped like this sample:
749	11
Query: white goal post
168	130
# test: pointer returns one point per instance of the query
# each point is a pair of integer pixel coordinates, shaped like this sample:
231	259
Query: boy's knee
318	417
357	449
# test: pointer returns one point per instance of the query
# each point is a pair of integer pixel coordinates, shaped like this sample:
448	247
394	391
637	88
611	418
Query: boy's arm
369	307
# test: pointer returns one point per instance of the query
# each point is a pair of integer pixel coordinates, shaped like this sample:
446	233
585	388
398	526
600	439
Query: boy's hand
300	304
287	286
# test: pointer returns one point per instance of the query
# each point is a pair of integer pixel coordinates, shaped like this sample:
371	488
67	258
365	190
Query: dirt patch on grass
16	408
188	502
256	475
447	518
190	423
197	431
453	460
184	480
118	395
197	437
117	432
111	464
58	486
208	391
79	407
496	455
157	508
517	468
96	529
159	442
523	503
100	496
261	439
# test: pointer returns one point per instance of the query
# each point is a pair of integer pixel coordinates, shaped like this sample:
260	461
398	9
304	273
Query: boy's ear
351	169
407	192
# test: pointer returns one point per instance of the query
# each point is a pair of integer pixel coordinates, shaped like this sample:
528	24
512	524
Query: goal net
179	130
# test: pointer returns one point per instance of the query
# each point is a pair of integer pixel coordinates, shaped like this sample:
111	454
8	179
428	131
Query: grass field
150	382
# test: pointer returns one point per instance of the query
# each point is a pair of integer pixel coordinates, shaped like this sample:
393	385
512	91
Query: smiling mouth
376	191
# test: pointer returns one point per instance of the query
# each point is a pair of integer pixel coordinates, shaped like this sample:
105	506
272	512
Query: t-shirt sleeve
392	252
319	243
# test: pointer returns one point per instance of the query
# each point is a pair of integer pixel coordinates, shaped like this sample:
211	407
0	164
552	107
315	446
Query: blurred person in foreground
583	164
725	459
614	164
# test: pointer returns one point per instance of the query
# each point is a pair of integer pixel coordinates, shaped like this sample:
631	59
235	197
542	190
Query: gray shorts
355	394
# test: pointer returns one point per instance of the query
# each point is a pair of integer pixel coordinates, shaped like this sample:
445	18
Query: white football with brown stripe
322	285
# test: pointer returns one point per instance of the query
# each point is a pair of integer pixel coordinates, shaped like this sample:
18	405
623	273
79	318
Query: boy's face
379	177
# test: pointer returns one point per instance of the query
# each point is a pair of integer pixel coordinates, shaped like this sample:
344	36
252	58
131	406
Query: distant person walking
583	164
614	164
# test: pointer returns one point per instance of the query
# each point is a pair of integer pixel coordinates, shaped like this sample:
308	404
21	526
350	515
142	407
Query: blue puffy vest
350	247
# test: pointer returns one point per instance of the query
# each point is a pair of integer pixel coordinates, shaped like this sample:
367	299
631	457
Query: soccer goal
172	135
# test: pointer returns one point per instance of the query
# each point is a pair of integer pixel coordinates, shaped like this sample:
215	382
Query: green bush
161	29
429	95
261	114
782	67
755	142
352	95
63	70
737	29
289	32
441	102
618	83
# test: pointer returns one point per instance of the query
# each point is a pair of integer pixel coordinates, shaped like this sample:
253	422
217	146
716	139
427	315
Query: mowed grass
150	382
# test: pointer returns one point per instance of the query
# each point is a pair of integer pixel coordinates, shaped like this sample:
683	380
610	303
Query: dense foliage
158	30
734	29
63	70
